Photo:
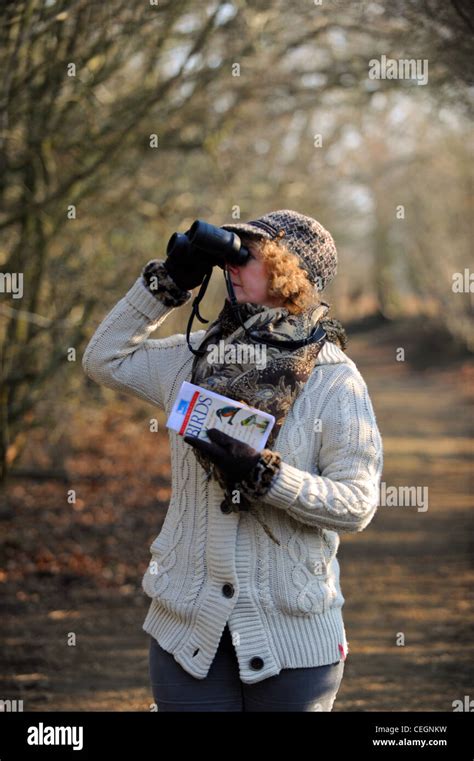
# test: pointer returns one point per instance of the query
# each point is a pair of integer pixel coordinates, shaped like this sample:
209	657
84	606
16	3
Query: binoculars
214	245
220	247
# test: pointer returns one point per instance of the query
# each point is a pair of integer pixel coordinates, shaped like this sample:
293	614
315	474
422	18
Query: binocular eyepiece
213	244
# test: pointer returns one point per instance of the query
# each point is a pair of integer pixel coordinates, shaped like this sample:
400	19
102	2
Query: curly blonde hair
288	281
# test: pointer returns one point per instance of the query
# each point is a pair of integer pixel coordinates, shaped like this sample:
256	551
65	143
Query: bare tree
118	120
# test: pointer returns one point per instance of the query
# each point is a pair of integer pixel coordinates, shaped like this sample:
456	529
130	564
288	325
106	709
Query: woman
245	610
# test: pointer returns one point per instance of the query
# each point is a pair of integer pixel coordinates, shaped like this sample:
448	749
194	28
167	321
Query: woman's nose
233	268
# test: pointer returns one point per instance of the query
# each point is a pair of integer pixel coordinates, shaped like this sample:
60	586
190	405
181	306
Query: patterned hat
301	235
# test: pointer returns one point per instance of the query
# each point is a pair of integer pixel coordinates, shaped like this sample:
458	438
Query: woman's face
250	281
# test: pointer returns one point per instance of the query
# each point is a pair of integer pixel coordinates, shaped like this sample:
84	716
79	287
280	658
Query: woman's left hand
233	458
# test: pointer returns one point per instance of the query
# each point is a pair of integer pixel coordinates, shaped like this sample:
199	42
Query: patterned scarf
274	387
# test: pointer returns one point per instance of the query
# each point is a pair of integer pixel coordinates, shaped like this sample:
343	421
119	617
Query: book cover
197	409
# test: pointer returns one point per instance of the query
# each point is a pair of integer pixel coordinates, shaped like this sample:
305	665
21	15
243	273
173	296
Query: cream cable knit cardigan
208	567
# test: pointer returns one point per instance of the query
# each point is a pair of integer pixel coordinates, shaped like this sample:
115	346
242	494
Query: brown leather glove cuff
160	283
261	477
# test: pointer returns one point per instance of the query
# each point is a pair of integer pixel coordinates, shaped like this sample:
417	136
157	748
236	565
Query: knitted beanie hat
302	235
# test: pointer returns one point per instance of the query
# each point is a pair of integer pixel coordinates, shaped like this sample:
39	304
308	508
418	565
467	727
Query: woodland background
122	122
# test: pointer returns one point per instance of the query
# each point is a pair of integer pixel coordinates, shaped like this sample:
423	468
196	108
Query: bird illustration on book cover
227	412
253	420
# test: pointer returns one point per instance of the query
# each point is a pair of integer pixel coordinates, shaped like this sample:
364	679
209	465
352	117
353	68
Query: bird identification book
196	409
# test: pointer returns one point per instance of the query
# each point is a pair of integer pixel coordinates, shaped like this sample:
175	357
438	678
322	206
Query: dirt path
76	569
416	566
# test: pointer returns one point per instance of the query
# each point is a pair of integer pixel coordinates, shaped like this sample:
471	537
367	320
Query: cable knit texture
283	602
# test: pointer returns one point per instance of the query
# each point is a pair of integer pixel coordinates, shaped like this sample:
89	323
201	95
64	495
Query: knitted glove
234	458
262	476
156	278
241	466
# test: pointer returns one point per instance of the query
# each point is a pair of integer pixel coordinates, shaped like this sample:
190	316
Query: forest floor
72	571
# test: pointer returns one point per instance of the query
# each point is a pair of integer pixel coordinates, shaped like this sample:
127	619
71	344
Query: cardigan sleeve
345	496
122	357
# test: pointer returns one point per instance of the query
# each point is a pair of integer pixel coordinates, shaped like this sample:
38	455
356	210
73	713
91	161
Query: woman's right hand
187	267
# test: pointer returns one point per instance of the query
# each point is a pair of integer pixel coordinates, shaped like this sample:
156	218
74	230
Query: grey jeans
300	689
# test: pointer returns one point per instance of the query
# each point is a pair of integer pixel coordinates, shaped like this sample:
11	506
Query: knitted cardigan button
256	663
226	507
228	590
